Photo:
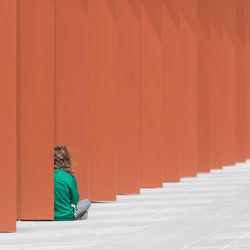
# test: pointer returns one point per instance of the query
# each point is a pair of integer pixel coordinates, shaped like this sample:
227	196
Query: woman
66	196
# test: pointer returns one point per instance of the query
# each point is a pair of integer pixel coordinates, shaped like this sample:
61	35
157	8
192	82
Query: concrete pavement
210	212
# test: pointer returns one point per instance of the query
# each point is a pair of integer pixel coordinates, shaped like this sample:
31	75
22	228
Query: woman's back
65	194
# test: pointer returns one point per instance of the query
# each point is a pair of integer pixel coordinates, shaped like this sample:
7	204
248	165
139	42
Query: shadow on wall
135	6
229	20
152	11
240	20
216	16
170	5
204	10
112	6
189	12
85	3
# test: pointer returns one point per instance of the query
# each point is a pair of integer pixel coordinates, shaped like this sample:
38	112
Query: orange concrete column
72	85
188	88
247	11
152	96
171	88
241	88
36	43
128	99
102	99
216	84
8	115
229	117
203	85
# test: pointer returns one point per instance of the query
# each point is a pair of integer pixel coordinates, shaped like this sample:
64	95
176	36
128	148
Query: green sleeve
74	192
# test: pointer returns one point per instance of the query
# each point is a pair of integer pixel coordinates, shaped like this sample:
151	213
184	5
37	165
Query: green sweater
65	194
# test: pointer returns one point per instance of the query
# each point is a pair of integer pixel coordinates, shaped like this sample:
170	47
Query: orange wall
247	16
72	100
203	84
128	96
241	90
229	97
142	92
171	88
216	84
8	115
102	100
188	90
36	70
151	95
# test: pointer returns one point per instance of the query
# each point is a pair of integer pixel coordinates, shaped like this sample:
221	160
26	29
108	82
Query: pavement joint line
192	243
185	229
212	233
236	240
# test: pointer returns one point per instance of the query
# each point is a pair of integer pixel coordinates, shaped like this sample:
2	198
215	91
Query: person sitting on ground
66	196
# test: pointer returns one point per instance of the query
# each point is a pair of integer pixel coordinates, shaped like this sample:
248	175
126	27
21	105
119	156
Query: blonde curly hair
62	159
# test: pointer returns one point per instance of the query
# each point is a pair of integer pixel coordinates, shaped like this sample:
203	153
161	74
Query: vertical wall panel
128	99
72	84
151	89
188	88
102	98
8	115
241	94
229	118
171	87
36	109
203	84
216	85
247	11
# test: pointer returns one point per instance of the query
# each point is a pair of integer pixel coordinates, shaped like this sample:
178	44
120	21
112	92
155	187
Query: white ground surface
209	212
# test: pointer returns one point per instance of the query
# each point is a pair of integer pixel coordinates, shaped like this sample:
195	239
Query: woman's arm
74	191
